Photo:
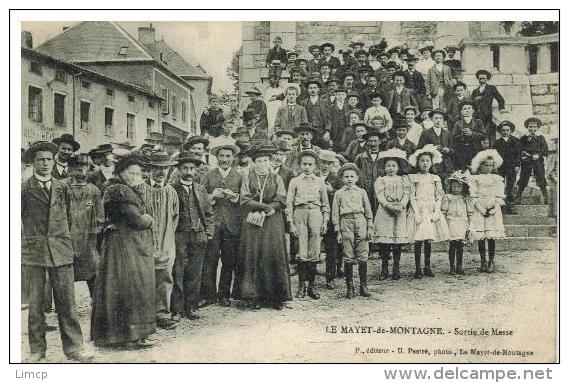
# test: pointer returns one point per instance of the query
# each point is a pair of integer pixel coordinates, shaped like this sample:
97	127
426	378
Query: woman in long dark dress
124	309
263	275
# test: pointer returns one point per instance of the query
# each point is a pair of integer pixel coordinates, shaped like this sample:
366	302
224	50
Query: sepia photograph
310	191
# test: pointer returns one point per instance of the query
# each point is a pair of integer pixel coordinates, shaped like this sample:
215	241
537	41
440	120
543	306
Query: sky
209	44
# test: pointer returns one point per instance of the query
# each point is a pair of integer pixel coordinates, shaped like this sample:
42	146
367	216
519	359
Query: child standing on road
487	189
353	222
426	224
390	224
457	208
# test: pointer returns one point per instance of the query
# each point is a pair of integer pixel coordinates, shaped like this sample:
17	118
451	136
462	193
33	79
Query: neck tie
157	186
45	188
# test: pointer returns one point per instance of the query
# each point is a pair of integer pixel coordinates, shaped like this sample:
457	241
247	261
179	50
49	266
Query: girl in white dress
487	189
425	221
457	208
273	97
390	224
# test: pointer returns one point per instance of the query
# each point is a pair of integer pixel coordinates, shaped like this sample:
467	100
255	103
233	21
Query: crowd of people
346	159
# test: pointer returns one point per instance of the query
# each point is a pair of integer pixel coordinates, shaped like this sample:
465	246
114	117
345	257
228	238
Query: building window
109	112
35	67
149	126
85	84
554	52
85	111
130	98
130	126
110	92
151	104
35	104
165	105
532	54
495	56
184	111
174	106
60	76
59	109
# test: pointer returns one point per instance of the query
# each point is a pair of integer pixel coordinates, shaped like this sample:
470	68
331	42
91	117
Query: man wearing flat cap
223	186
67	146
47	249
195	228
483	98
161	201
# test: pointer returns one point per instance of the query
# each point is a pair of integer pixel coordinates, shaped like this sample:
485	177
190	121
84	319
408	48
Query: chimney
27	40
147	35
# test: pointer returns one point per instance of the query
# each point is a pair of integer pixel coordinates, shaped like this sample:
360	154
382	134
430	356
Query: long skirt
263	271
124	302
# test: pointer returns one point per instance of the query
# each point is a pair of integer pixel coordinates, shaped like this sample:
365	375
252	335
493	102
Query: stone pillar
476	56
513	59
543	58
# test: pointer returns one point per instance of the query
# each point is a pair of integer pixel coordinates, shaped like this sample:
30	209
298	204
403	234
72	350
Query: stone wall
545	102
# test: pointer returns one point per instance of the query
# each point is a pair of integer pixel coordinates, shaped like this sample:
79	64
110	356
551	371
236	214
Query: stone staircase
529	228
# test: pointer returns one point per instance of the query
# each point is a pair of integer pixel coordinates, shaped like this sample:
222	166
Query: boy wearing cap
290	115
195	228
468	134
534	151
47	249
223	186
358	144
67	146
260	108
439	79
352	218
212	118
483	98
509	149
308	212
443	141
276	58
162	203
305	133
369	167
87	217
339	119
331	247
401	141
399	97
317	114
453	110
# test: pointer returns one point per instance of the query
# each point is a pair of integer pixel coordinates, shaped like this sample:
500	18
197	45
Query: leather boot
349	269
330	271
545	195
301	269
459	253
395	275
451	256
339	271
491	252
312	293
482	250
362	271
417	250
518	199
427	270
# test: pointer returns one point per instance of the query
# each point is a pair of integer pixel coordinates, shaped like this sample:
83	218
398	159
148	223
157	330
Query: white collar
402	140
43	179
224	173
469	120
154	183
314	99
186	183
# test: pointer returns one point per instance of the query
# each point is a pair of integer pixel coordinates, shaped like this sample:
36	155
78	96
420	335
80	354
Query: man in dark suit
509	149
66	147
339	119
442	139
439	80
483	98
400	141
278	159
313	64
212	118
400	97
414	79
534	152
47	250
317	113
106	168
223	185
305	133
468	136
195	228
327	49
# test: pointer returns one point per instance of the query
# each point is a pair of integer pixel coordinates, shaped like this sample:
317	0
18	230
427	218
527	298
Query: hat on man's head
441	51
409	107
282	132
314	81
349	73
484	72
262	149
438	111
234	148
283	146
330	45
254	92
392	64
341	89
345	52
324	63
305	127
451	48
506	123
466	101
327	155
353	94
296	70
278	38
185	157
310	48
333	79
361	52
101	150
173	140
532	119
394	50
348	166
364	69
195	140
39	146
66	138
78	159
427	45
161	159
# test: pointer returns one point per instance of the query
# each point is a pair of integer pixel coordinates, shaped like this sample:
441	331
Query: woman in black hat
263	274
124	301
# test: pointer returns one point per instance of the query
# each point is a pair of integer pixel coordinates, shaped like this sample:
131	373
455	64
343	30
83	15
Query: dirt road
516	306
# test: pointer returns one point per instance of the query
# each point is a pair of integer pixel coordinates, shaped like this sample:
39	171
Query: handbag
258	218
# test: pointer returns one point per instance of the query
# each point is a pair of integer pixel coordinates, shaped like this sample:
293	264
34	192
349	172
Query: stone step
508	244
531	200
531	230
524	220
531	210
